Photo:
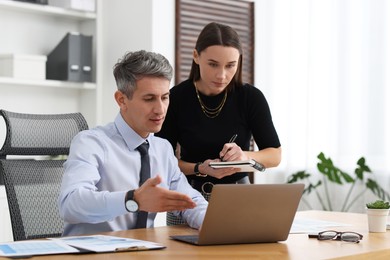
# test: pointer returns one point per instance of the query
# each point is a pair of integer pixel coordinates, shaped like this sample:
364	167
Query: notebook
248	213
244	166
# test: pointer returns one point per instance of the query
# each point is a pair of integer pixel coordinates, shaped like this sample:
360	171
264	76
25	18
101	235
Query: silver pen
232	139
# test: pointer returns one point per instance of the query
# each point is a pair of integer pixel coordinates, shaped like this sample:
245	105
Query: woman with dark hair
213	105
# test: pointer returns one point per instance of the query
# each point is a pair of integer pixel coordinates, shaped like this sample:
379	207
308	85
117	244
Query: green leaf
346	177
331	172
362	168
301	175
377	190
378	204
311	187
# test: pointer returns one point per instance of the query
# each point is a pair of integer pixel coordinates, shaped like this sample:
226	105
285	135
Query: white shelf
46	10
6	81
35	29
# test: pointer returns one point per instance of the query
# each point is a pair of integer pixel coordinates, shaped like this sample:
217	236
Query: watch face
131	206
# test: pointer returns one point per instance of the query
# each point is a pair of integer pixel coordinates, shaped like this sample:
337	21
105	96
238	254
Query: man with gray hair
110	182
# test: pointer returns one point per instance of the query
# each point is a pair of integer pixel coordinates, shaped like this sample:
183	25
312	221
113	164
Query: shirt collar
131	138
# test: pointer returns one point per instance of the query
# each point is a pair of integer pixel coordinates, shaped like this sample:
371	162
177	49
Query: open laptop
248	213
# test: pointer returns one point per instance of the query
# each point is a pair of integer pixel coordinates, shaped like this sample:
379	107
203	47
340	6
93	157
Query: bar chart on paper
29	248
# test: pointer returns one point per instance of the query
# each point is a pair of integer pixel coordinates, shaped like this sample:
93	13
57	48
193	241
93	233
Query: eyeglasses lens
350	237
327	235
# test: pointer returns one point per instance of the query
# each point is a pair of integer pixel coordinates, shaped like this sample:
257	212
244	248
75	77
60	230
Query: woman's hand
205	168
232	152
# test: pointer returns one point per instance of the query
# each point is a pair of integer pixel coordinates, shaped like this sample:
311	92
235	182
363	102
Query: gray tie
145	174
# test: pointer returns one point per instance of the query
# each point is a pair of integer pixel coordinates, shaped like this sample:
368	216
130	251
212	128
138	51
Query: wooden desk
297	246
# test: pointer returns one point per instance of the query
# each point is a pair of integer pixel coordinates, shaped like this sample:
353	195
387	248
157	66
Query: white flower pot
377	219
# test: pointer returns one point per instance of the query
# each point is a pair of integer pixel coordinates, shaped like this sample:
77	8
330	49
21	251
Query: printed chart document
35	247
102	243
245	166
76	244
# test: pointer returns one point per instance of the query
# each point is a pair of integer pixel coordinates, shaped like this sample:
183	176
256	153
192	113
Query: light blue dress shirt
103	164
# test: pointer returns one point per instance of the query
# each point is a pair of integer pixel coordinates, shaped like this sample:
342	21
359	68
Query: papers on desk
35	247
306	225
77	244
101	243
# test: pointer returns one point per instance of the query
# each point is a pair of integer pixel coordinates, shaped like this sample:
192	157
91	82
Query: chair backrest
31	164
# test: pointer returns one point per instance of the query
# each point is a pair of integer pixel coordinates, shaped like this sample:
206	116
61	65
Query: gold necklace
210	112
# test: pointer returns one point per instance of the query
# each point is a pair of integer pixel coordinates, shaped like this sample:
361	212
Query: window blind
193	15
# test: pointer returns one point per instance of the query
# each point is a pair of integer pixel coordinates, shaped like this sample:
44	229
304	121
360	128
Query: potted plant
331	175
377	212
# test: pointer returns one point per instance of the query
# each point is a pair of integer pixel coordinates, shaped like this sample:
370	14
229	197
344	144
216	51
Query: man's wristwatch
130	204
197	172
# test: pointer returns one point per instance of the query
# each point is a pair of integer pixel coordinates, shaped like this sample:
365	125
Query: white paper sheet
101	243
35	247
307	225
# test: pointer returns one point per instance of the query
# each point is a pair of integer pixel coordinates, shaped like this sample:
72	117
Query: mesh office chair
32	182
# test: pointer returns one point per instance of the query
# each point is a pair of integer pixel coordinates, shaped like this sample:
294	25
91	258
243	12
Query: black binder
42	2
71	59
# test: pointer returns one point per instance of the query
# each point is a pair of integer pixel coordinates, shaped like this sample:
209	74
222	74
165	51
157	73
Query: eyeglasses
348	236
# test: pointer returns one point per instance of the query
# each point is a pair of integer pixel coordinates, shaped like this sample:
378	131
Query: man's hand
152	198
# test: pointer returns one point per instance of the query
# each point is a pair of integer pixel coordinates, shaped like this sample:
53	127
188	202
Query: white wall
131	26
